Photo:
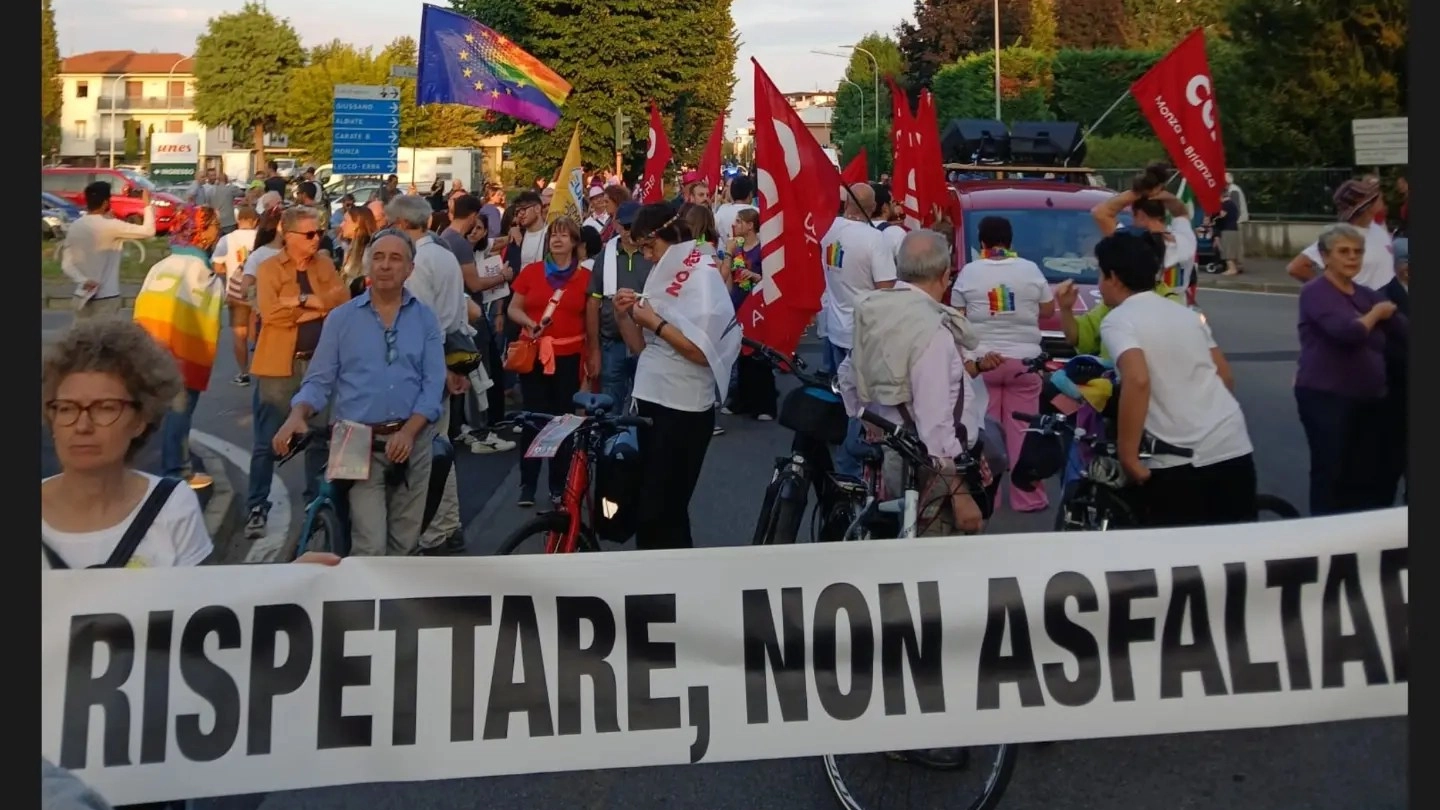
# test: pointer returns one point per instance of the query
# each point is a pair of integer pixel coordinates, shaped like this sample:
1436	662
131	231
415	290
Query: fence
1272	194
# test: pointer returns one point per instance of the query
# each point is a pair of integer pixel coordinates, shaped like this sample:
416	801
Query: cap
626	214
1354	196
596	191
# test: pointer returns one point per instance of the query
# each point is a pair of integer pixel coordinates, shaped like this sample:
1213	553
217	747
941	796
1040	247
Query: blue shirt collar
363	299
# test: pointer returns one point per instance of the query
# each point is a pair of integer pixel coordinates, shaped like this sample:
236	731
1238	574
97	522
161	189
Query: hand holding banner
1177	97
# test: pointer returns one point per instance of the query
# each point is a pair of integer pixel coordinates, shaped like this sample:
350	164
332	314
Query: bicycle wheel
762	523
325	532
541	531
1273	507
897	781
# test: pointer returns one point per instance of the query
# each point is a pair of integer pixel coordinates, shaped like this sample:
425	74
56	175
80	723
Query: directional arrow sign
366	129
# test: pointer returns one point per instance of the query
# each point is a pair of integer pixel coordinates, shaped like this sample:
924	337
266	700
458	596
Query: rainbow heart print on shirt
1170	276
834	255
1002	300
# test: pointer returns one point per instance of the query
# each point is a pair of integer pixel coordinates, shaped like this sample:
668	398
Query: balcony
138	103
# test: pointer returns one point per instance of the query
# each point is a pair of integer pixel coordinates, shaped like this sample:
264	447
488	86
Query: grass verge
132	269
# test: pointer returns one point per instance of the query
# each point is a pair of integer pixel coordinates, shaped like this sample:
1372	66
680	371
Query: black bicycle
817	416
1096	499
971	778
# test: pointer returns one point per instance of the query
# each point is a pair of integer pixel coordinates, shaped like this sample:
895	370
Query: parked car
126	188
53	223
51	201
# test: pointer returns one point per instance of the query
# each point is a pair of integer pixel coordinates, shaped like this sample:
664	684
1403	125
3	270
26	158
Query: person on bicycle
381	358
1175	385
907	366
684	334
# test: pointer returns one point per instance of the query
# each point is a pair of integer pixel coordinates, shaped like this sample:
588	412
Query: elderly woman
1341	381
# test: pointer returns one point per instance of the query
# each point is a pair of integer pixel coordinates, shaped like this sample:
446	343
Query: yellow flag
571	188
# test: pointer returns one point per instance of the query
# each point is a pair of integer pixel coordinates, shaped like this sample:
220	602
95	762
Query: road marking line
1208	290
267	548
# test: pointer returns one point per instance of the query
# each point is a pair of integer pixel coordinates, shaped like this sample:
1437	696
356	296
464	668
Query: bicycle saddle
593	404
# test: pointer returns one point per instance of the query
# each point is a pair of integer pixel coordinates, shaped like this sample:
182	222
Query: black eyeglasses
390	351
308	234
102	412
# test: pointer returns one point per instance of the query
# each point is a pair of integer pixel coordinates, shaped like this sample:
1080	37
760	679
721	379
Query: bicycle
574	526
326	526
817	416
850	776
1095	499
138	247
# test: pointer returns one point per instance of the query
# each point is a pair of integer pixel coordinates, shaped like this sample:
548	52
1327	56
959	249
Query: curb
1274	288
223	518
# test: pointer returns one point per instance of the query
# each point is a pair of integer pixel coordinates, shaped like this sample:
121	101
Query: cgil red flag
709	168
932	193
799	196
857	170
1177	96
902	141
657	160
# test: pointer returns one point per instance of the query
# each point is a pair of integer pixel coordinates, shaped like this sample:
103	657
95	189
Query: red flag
902	135
933	194
657	160
1178	98
799	196
857	170
709	168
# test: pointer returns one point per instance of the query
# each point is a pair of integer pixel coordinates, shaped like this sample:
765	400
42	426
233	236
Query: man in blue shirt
381	361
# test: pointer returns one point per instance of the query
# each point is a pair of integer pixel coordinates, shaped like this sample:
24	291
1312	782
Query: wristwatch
303	298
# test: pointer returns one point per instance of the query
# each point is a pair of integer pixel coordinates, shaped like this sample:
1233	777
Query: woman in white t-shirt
681	333
106	386
1004	297
228	260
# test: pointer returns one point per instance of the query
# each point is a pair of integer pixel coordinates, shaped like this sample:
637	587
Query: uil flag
1177	97
857	170
709	168
570	190
799	196
657	160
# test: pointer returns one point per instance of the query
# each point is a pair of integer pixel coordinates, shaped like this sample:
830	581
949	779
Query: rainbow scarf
179	305
1000	254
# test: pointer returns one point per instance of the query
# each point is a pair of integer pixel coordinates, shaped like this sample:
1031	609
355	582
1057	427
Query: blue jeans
843	457
175	435
267	420
617	370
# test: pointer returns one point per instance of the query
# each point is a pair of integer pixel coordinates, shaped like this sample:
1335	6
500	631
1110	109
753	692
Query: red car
126	187
1053	228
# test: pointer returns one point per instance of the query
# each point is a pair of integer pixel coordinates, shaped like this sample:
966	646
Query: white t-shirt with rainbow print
1002	298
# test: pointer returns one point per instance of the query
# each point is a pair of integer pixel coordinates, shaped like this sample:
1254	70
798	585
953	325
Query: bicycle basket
816	413
617	486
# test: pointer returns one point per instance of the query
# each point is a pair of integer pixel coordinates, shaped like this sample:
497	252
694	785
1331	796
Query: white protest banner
185	683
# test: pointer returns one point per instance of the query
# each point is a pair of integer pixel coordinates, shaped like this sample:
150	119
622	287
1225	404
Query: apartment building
816	109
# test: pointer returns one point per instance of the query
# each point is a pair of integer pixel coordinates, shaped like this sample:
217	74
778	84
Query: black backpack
134	533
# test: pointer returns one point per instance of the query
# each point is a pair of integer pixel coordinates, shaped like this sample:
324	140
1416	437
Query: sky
781	35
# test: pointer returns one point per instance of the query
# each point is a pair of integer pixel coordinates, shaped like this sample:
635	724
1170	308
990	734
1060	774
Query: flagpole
1097	123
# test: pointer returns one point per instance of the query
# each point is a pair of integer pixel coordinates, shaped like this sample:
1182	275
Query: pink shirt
937	380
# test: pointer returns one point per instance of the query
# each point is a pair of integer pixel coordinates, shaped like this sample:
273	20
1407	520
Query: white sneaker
765	417
727	411
490	443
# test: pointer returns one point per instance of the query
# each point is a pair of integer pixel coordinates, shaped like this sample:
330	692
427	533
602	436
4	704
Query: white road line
1208	290
267	548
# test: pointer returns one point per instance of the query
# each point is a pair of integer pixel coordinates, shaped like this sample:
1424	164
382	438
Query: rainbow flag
1002	299
179	305
464	62
834	255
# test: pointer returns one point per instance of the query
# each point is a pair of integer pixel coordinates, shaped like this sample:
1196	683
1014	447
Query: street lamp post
168	78
876	63
997	60
114	85
862	101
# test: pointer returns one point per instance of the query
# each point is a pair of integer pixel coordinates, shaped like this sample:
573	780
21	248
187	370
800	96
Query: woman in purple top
1341	381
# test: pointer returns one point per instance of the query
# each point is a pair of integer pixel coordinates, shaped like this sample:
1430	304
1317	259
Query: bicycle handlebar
793	366
1058	423
905	442
537	420
1034	365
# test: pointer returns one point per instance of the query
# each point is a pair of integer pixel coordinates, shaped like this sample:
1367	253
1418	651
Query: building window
82	90
80	127
176	90
134	89
174	126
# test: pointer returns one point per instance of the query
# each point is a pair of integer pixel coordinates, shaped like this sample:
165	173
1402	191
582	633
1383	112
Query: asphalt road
1338	766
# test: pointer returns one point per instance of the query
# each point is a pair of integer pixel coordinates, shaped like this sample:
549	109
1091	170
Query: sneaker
199	481
718	431
255	525
454	544
527	497
726	410
489	443
241	379
765	417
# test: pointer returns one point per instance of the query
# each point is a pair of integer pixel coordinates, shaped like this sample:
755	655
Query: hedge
966	89
1088	82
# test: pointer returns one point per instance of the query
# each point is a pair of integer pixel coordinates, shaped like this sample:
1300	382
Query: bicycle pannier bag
815	413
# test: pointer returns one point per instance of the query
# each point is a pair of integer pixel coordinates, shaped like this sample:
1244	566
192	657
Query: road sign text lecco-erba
365	131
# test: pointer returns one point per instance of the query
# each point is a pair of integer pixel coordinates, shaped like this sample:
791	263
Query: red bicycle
584	517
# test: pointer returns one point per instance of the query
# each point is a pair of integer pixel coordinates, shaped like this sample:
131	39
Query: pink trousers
1012	391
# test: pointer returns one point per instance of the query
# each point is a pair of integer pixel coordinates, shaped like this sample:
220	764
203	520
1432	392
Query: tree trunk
259	149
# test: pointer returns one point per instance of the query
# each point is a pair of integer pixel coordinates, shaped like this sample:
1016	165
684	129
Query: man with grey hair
437	282
269	200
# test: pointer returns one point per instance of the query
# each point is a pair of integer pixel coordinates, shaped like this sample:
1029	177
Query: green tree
1044	26
856	105
946	30
51	90
243	65
1093	23
1150	25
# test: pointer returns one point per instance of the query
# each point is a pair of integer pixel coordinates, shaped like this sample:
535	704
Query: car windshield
139	180
1061	242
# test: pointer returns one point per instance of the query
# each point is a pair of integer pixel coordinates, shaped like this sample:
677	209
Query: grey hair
409	209
1336	231
293	216
396	232
924	256
268	200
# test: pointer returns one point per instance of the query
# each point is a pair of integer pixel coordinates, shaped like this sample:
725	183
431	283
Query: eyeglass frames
102	412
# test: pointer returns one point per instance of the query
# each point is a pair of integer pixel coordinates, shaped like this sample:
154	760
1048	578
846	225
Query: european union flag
464	62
